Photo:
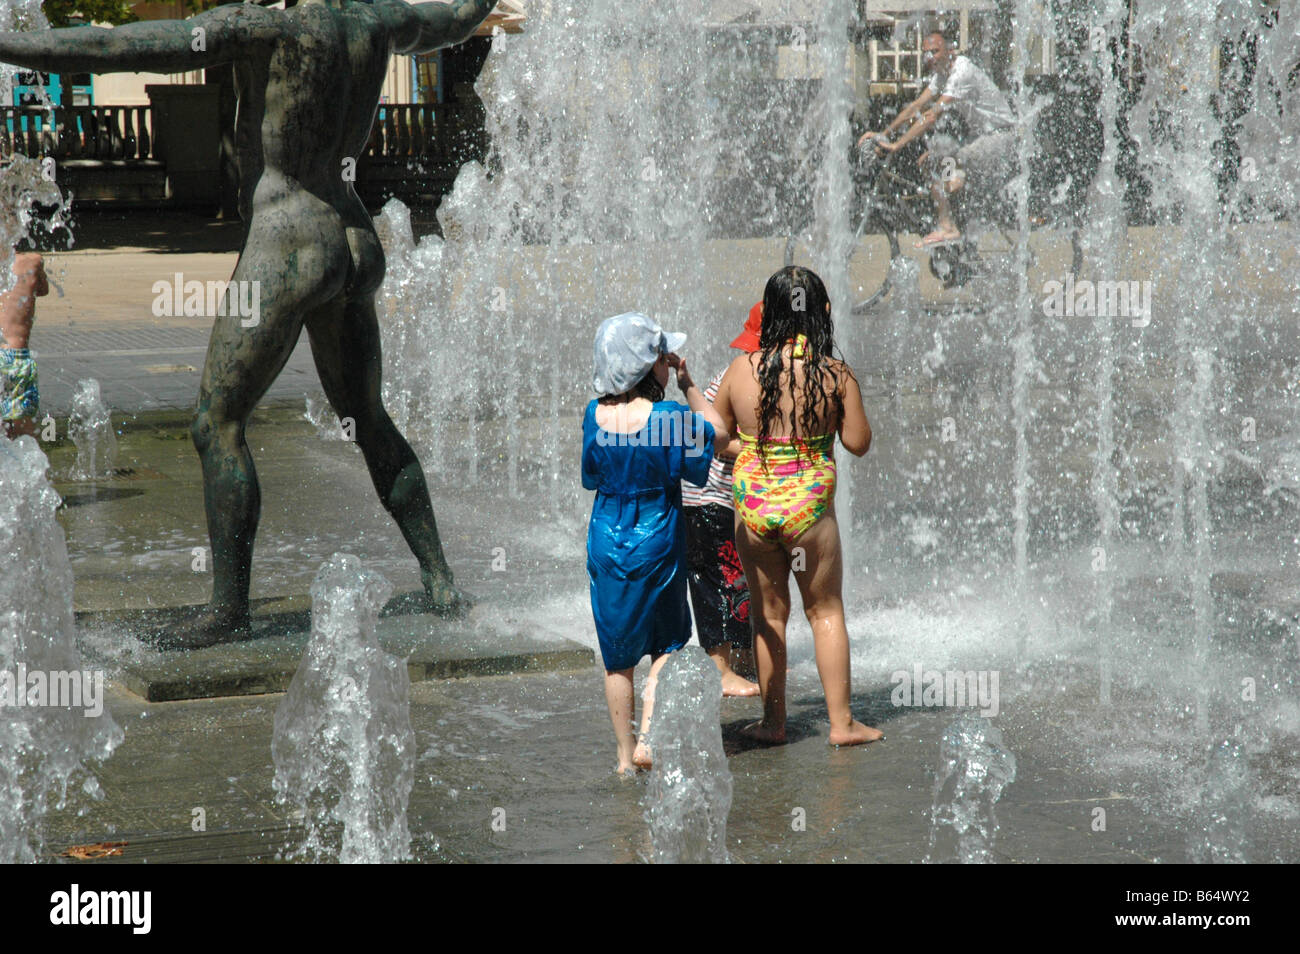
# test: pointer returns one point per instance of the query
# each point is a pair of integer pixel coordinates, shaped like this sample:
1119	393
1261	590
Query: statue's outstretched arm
152	46
424	27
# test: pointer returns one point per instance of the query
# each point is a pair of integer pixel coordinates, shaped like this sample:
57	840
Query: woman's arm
855	431
151	46
425	27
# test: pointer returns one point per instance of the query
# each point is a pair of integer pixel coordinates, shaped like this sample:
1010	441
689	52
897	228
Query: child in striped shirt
719	592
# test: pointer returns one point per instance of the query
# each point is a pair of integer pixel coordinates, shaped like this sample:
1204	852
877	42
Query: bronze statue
308	80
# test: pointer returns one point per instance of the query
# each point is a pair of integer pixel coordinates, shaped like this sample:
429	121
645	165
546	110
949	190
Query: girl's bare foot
768	735
735	685
856	734
641	757
625	769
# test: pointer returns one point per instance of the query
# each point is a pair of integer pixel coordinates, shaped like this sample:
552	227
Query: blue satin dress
636	541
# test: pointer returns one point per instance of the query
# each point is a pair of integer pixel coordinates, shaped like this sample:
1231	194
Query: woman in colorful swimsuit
787	402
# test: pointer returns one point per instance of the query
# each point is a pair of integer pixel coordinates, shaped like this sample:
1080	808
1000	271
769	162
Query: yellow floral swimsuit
783	493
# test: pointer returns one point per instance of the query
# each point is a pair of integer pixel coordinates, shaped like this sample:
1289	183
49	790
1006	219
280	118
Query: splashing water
1081	452
1227	800
975	767
320	415
24	192
689	795
91	428
43	747
343	747
19	15
609	188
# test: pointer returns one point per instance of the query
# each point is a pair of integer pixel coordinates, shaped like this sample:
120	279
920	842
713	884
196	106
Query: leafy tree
61	12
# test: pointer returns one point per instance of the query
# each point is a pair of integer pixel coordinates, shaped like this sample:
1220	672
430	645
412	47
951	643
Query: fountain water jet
91	429
1227	799
689	796
1107	237
975	768
43	746
343	747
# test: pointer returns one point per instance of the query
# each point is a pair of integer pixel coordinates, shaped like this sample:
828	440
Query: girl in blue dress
636	450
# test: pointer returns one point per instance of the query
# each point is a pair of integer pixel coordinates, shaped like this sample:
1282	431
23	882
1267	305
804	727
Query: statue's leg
241	364
345	345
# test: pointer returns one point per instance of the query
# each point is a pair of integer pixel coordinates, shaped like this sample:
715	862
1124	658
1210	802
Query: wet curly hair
795	302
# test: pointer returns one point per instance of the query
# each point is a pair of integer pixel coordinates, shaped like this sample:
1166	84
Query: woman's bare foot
856	734
625	769
768	735
641	757
736	685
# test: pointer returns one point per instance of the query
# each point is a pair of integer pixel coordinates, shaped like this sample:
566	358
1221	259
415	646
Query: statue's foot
205	627
443	598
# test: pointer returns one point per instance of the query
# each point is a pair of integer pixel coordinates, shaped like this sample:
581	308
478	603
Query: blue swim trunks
18	395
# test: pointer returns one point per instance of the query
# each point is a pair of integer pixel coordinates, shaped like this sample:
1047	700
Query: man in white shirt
960	86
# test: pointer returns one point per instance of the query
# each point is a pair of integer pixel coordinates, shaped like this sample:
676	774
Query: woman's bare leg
820	584
767	567
619	698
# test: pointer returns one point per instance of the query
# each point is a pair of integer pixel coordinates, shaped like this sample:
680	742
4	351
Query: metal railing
78	132
428	132
436	133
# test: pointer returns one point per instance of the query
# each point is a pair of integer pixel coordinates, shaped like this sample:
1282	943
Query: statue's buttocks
306	107
367	269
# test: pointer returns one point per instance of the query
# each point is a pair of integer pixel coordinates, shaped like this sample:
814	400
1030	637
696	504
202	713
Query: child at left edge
636	450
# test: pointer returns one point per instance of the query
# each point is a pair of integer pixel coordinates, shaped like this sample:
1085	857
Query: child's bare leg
641	757
733	684
820	583
619	698
767	567
742	661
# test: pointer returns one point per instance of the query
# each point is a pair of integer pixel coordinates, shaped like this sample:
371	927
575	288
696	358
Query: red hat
747	340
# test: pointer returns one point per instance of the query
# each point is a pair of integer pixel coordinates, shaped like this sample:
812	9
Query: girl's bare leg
641	757
820	584
619	698
767	567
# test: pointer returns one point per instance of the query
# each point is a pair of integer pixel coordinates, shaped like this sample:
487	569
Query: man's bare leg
946	228
345	346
